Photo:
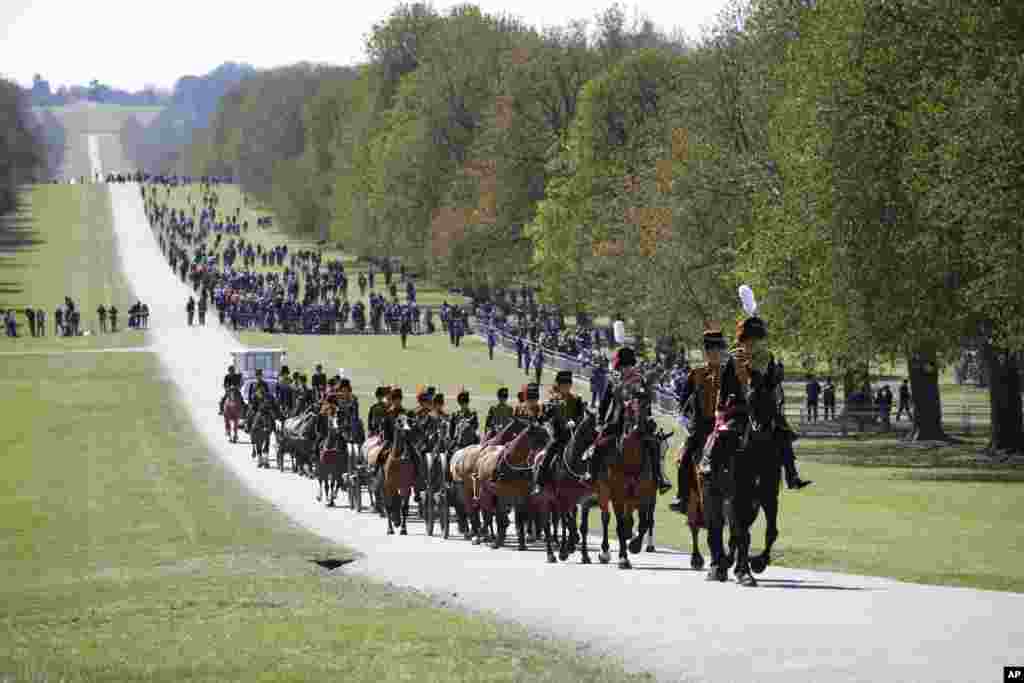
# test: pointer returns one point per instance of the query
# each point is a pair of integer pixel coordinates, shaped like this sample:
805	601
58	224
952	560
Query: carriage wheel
446	522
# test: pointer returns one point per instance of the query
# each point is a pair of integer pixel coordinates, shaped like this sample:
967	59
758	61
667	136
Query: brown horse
373	452
504	476
400	474
694	496
234	409
333	463
463	467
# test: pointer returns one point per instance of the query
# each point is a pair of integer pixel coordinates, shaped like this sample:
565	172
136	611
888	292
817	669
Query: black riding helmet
502	393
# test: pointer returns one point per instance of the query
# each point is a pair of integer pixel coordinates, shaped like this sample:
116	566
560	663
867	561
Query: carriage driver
463	414
378	410
500	414
572	410
232	380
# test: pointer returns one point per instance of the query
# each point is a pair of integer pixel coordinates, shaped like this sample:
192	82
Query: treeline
191	105
42	95
858	162
24	153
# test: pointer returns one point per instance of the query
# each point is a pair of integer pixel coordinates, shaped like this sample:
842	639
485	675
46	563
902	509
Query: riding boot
742	571
793	480
220	409
654	454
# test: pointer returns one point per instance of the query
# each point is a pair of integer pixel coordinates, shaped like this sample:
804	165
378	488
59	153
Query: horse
234	409
259	433
564	488
371	452
462	468
297	437
465	435
400	474
333	463
504	475
694	496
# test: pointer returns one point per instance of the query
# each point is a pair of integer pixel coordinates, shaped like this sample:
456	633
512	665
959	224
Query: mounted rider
378	410
530	408
570	412
232	380
698	402
500	414
347	411
725	467
463	419
625	407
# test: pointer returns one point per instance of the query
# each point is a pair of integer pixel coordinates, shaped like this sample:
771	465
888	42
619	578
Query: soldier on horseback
232	380
699	400
464	418
374	419
570	411
625	407
530	408
500	414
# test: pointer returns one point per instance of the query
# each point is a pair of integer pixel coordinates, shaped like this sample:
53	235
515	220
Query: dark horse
260	429
333	463
763	459
299	440
566	485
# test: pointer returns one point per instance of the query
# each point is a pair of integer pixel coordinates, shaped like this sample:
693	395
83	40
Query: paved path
661	616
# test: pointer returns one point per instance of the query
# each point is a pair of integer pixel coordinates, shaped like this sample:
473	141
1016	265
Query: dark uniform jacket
498	416
625	405
460	417
374	418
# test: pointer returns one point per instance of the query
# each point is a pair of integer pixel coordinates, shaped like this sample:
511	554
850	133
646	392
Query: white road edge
661	616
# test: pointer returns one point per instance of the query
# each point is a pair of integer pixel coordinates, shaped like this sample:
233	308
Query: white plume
747	297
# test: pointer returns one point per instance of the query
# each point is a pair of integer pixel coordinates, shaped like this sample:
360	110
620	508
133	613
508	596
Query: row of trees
858	162
31	149
42	95
190	107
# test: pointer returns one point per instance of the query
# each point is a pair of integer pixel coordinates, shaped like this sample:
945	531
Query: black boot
793	480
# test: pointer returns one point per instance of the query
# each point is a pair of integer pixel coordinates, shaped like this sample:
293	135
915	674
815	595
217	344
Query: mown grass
73	253
129	553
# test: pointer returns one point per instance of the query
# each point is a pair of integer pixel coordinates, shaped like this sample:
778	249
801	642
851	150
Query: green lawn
68	249
129	553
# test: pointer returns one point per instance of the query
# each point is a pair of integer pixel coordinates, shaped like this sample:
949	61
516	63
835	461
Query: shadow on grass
17	234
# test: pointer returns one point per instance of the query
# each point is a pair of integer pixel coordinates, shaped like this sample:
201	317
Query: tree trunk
924	389
1005	404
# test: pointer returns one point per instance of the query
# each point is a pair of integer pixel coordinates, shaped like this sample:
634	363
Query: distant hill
190	106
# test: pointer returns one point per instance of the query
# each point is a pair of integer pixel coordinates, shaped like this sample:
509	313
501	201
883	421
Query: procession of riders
550	458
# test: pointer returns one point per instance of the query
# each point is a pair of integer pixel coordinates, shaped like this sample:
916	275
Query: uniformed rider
499	414
232	380
463	419
570	412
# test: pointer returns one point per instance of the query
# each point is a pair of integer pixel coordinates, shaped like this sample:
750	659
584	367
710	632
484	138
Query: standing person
492	340
58	316
102	313
905	402
202	311
41	322
31	315
538	363
145	316
404	329
813	392
886	406
598	381
828	396
190	309
527	360
520	351
113	318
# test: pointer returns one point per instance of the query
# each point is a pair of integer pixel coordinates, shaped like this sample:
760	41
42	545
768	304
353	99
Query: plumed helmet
624	358
751	328
503	392
563	377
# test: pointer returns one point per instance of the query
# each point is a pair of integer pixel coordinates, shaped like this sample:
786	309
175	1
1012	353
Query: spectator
813	393
905	402
829	399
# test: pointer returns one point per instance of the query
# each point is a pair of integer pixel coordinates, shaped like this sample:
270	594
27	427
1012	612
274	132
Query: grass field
65	247
129	553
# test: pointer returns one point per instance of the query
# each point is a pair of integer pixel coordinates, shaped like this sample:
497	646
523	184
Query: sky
129	45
